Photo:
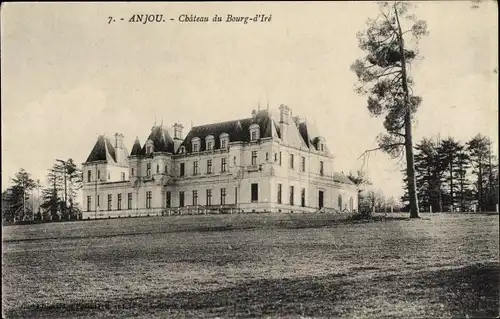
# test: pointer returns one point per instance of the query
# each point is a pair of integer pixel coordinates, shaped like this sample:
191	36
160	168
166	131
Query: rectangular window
303	197
195	147
168	200
98	175
267	156
291	161
98	201
280	158
209	197
148	169
255	192
166	170
195	198
110	200
119	201
123	176
132	171
195	168
223	196
321	168
181	199
236	195
223	144
209	166
89	176
254	135
254	157
129	200
149	196
209	145
279	193
89	203
303	164
275	157
157	168
291	195
223	164
182	170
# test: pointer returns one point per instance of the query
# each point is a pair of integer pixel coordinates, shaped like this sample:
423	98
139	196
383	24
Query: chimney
177	135
284	121
118	140
254	113
296	119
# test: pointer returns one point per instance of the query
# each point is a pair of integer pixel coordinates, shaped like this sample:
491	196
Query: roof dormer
209	142
195	144
150	148
254	132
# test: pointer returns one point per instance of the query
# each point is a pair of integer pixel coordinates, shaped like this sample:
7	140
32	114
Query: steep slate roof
162	142
339	177
136	148
309	134
238	130
101	149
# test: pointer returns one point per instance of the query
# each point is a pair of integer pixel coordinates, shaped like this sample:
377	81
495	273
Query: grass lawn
283	265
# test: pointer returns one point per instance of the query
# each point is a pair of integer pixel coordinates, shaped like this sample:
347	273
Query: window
209	166
110	199
132	171
236	195
129	200
340	202
195	142
149	149
182	170
181	199
254	132
98	174
291	195
321	168
280	158
279	193
123	176
166	170
322	147
303	164
148	169
267	156
210	142
195	198
209	197
157	168
195	168
255	192
224	140
119	202
98	201
109	175
303	197
89	176
223	196
275	157
149	196
168	200
89	203
223	164
254	157
291	161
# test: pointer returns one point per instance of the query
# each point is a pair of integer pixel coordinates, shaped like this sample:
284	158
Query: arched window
166	169
224	140
210	142
340	202
195	144
149	147
321	144
254	132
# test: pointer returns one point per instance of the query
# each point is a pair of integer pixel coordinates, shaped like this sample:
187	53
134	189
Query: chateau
258	164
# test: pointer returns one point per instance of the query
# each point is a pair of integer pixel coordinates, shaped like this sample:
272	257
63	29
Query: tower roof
162	141
136	148
103	150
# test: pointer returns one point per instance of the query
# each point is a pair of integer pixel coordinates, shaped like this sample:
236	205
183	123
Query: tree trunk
451	184
410	161
480	186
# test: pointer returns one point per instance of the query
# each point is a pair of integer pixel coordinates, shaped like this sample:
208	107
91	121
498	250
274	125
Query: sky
68	75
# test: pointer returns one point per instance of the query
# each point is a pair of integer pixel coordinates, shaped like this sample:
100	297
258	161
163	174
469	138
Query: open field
253	266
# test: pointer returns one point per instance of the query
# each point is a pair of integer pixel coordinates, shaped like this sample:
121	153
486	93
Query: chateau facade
256	164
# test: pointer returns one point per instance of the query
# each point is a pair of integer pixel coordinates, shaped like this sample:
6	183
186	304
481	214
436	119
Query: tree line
455	176
26	200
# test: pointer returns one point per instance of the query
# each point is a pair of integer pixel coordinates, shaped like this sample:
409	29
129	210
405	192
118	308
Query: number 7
110	19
